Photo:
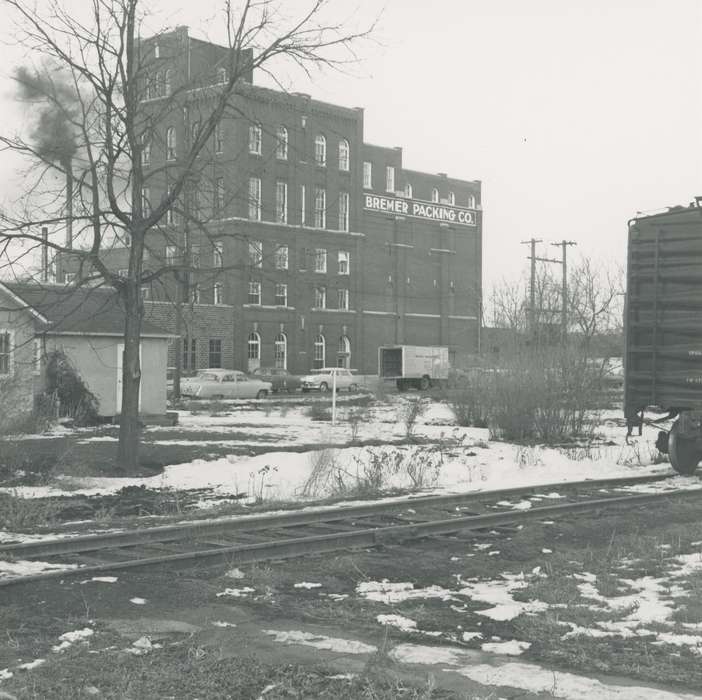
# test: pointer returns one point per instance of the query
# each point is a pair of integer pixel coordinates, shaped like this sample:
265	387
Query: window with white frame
254	296
389	178
145	149
471	201
218	139
281	143
167	81
320	150
320	259
124	273
215	352
280	351
69	277
344	155
221	75
256	253
408	191
189	353
195	255
253	351
319	352
195	293
452	198
281	257
344	262
218	293
218	254
6	351
219	195
145	201
435	195
171	252
320	297
343	353
255	138
281	202
255	198
368	175
171	211
343	211
281	294
303	205
342	299
320	207
171	143
195	199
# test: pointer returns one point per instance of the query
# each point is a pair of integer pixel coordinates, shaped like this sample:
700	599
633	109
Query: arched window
167	79
344	154
255	138
408	191
319	354
320	150
170	143
471	201
343	355
281	143
435	195
452	198
280	351
254	351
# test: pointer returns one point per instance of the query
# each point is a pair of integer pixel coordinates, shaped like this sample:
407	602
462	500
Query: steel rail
250	523
369	537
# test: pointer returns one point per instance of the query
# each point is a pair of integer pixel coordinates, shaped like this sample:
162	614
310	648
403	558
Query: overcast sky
574	114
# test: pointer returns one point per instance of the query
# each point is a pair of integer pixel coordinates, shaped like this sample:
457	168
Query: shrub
319	412
65	385
410	411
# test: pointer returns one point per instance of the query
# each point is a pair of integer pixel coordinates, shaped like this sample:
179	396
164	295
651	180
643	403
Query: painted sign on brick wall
431	211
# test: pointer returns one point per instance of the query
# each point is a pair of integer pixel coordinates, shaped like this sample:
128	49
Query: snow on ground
320	641
22	567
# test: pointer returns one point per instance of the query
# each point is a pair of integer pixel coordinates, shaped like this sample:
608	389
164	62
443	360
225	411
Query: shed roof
77	310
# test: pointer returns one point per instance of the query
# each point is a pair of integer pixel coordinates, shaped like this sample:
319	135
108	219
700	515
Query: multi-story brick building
308	247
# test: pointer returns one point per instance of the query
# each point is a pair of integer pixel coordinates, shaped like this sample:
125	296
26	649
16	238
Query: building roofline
23	304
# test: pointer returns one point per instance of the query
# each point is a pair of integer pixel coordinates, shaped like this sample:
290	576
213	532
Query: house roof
76	310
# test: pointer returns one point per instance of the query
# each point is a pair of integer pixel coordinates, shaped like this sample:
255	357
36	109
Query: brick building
308	247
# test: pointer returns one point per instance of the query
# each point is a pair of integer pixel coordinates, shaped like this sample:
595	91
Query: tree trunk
128	448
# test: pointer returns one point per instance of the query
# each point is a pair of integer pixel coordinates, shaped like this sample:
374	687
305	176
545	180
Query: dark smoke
52	135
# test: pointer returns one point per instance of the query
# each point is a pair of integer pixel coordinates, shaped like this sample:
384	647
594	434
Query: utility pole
532	283
564	287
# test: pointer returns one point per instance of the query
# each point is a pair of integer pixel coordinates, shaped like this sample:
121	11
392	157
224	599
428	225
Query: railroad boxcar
663	328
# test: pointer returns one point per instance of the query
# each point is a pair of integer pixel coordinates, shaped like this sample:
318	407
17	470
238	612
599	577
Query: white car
224	384
323	380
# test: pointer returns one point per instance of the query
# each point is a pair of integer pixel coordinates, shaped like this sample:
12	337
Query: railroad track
253	538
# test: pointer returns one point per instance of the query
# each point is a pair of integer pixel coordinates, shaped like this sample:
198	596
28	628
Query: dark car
280	378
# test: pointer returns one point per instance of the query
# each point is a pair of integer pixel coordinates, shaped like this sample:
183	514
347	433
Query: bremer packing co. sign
430	211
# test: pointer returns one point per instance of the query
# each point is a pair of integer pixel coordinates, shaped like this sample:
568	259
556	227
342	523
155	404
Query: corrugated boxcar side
663	321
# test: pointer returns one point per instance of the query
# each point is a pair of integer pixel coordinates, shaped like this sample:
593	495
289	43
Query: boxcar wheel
683	452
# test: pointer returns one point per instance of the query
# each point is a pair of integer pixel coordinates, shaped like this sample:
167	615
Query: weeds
410	412
318	412
20	514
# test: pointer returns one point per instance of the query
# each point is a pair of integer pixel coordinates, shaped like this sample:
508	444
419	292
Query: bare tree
95	86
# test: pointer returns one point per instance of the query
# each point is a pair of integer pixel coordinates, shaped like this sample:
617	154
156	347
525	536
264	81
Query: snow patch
320	641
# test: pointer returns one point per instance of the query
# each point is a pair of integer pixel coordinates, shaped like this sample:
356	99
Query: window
38	354
219	196
471	201
195	198
189	353
320	150
218	139
343	262
6	338
145	149
194	131
255	253
170	143
145	293
254	351
280	351
145	201
170	254
344	155
320	207
342	299
121	273
343	354
254	293
343	211
255	139
320	297
408	191
303	197
167	81
158	85
452	198
281	143
171	212
157	50
221	75
215	352
319	352
320	260
69	277
218	293
281	202
195	293
390	178
368	175
218	254
195	255
281	294
281	257
434	195
255	198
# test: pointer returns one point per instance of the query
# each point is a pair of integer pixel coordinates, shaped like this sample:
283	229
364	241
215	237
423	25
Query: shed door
118	400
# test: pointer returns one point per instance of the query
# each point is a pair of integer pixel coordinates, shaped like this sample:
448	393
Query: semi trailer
413	365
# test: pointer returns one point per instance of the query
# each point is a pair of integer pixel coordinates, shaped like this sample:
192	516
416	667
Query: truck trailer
663	329
413	365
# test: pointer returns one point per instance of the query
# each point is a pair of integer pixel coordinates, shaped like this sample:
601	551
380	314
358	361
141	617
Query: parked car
280	378
224	384
322	380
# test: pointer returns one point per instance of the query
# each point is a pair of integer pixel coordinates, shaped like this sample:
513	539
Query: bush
410	411
319	412
65	385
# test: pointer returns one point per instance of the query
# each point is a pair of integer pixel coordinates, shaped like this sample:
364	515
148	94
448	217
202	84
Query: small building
87	325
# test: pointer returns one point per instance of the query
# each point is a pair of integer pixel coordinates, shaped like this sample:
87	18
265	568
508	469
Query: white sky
575	114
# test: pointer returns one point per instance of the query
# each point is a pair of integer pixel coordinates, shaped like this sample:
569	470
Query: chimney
44	254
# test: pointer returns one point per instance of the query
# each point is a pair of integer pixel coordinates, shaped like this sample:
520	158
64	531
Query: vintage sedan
224	384
280	378
323	380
